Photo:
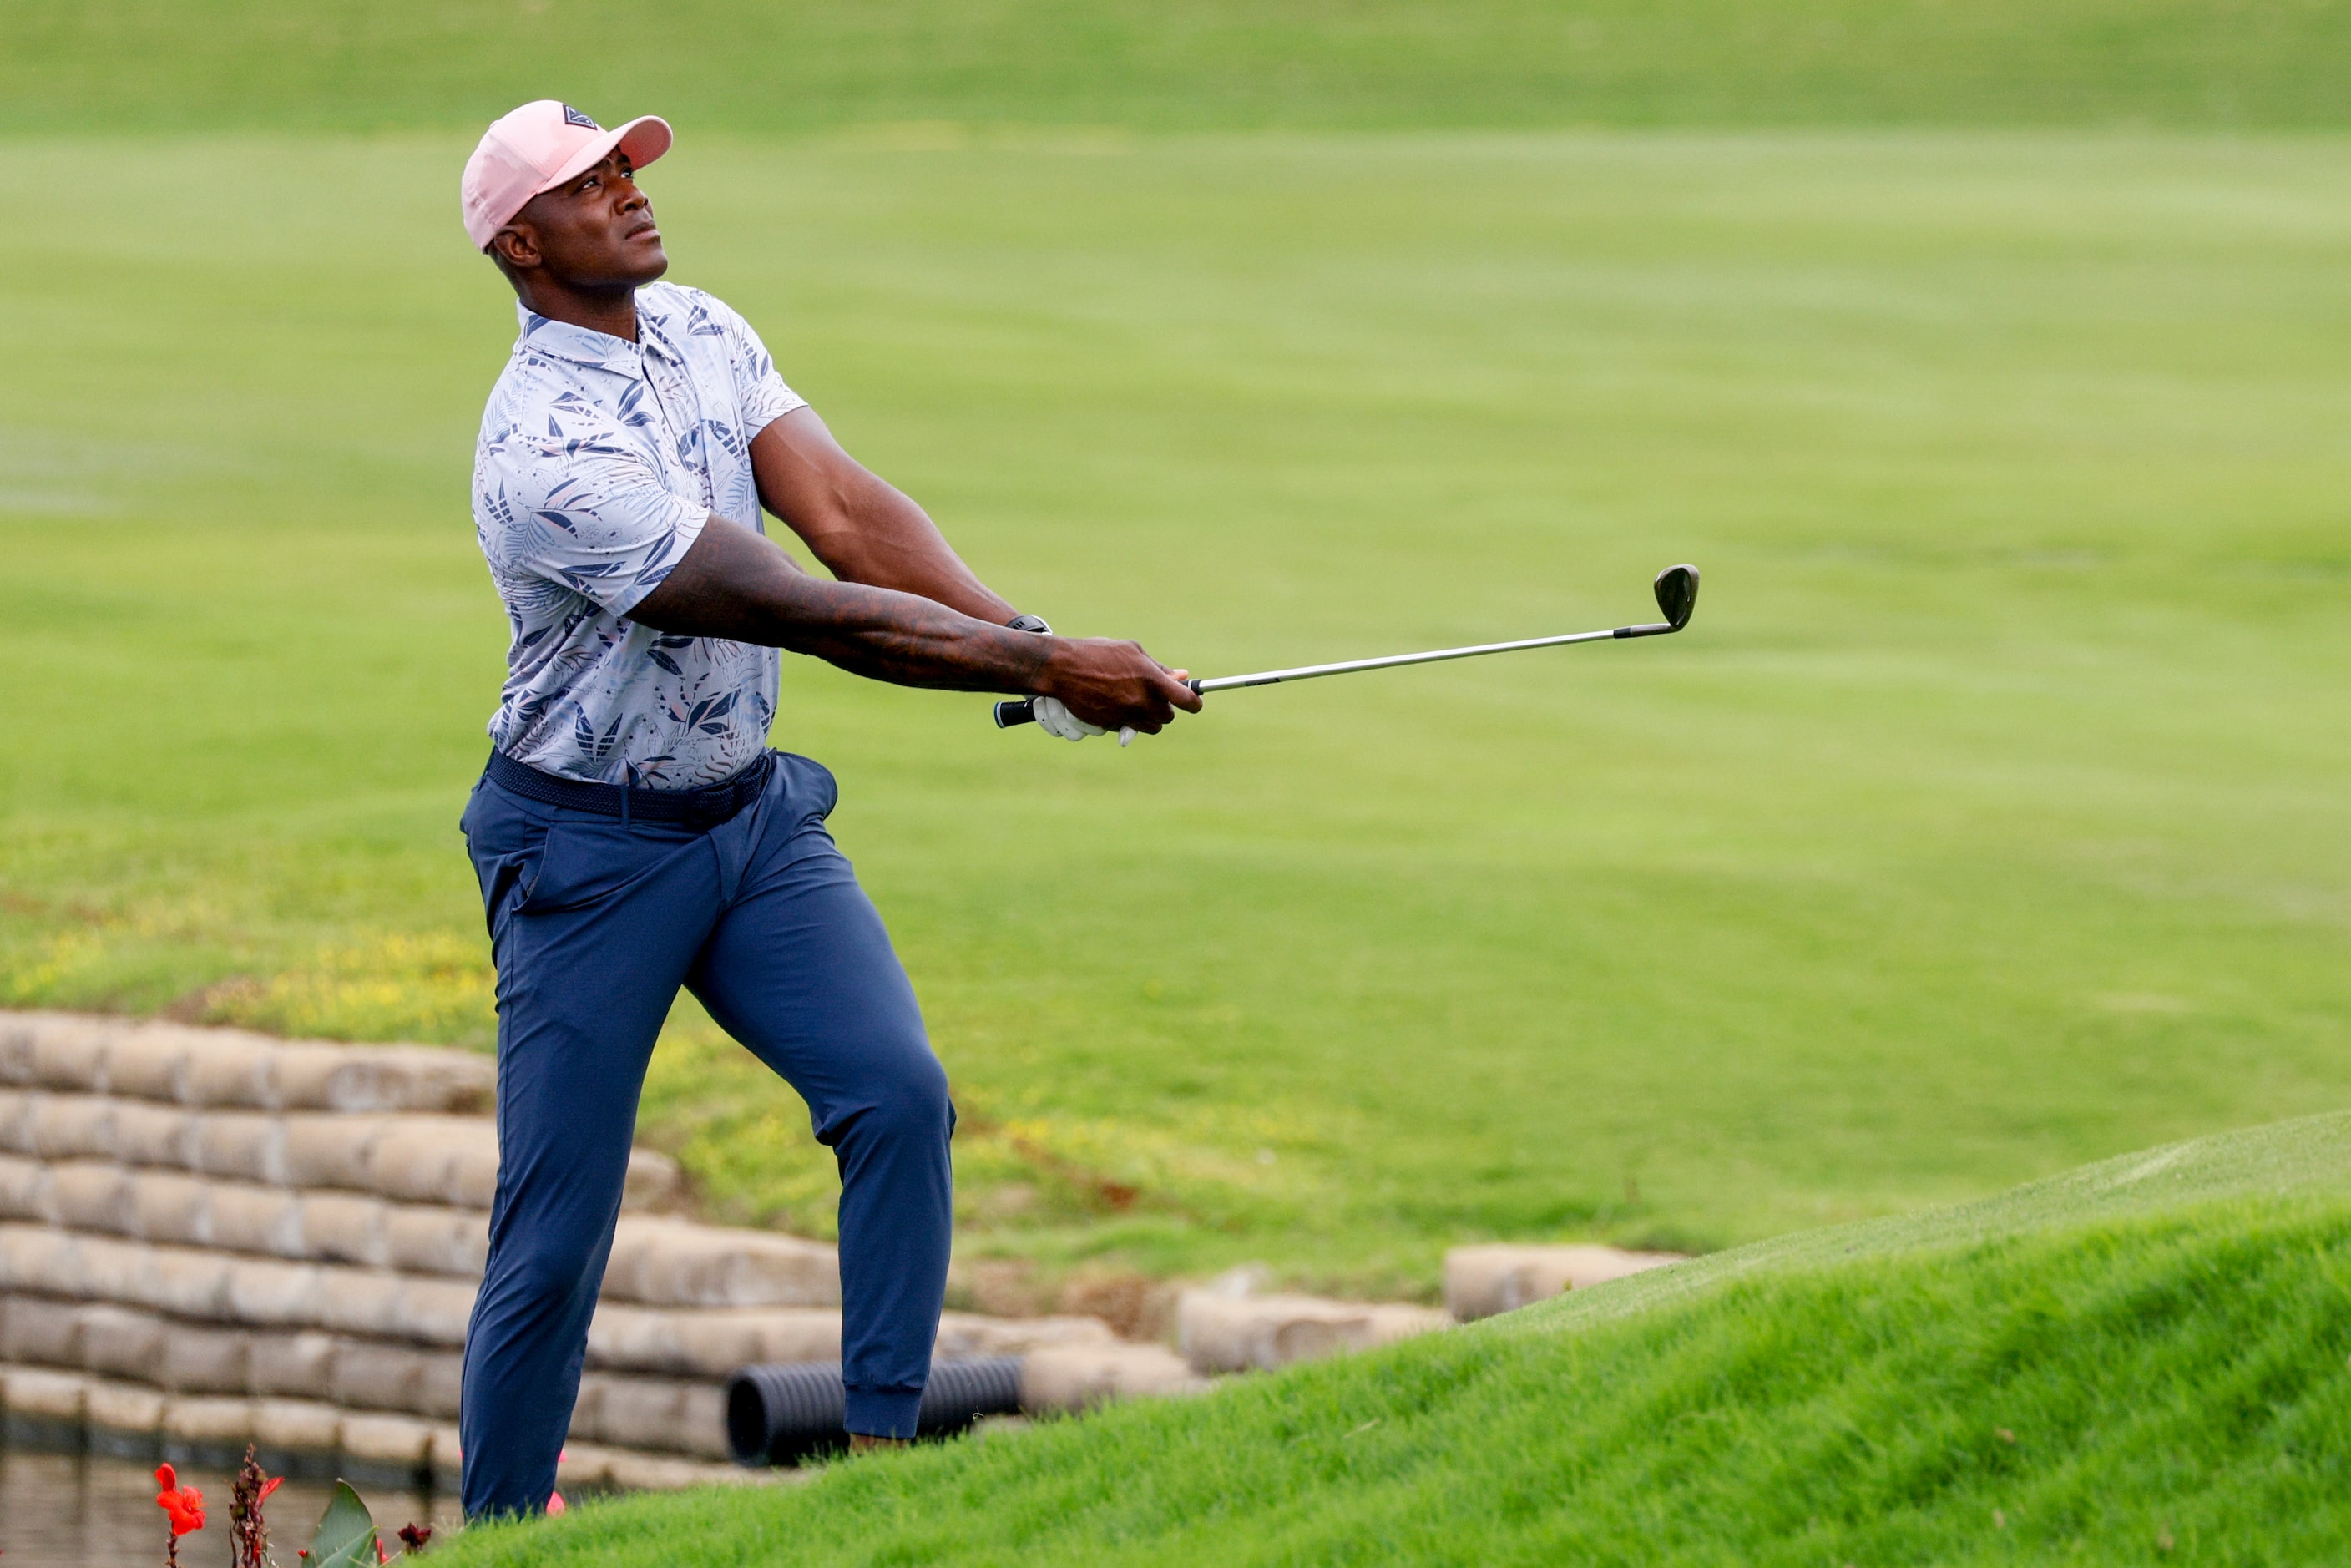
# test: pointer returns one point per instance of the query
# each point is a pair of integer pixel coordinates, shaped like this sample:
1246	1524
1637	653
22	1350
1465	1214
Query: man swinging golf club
632	832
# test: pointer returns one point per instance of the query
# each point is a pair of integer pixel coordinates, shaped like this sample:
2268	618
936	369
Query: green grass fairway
1178	64
2142	1363
1990	819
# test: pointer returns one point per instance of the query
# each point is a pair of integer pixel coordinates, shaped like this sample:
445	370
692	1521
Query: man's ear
517	247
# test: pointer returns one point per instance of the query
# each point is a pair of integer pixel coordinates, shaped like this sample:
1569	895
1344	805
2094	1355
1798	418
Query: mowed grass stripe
1178	64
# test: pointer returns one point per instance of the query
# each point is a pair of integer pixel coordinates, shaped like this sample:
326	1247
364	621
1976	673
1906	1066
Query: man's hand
1103	685
1053	714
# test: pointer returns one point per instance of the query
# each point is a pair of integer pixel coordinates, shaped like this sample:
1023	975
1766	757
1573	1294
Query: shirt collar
582	345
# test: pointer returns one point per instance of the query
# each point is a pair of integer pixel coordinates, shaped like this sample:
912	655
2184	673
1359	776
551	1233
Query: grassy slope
360	64
2141	1359
1989	820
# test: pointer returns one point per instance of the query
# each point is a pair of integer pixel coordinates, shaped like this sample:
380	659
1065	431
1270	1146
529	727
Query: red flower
185	1505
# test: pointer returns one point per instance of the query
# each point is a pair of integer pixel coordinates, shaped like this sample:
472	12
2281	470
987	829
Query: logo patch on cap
573	117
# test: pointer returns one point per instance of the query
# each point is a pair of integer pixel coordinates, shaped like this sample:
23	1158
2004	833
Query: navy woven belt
705	808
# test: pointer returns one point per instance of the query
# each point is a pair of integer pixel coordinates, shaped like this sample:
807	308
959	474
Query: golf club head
1677	594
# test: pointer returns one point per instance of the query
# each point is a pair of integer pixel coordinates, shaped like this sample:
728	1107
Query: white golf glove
1054	718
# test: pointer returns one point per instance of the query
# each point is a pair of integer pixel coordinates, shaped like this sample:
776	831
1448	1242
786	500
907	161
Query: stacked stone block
1227	1327
1224	1331
1481	1281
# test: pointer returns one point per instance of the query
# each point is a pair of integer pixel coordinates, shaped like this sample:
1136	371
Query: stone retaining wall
208	1237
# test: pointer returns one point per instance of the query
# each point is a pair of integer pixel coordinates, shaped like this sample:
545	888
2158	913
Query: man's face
595	231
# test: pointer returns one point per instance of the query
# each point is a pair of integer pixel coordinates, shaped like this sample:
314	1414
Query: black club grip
1021	711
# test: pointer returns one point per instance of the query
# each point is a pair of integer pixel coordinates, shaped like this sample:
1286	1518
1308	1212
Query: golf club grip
1023	710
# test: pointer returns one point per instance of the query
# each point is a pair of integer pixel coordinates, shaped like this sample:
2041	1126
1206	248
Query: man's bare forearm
910	641
897	546
736	584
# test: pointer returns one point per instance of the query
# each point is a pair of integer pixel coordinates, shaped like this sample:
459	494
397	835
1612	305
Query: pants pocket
585	860
506	839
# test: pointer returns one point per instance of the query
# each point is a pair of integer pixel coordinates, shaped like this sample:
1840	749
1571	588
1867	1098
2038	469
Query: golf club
1677	589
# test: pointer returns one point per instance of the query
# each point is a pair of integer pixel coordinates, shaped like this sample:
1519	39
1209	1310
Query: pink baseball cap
539	147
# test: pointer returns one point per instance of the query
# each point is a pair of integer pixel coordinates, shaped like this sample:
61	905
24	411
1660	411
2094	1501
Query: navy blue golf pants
595	923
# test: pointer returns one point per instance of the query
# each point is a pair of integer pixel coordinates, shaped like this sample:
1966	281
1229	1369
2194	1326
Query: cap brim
640	141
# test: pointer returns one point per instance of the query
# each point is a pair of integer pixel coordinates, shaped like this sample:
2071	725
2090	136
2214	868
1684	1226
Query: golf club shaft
1022	711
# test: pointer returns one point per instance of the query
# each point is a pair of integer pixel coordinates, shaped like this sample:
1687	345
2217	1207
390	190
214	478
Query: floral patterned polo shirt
599	462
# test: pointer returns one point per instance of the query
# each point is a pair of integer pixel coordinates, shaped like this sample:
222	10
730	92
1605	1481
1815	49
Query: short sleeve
758	388
573	503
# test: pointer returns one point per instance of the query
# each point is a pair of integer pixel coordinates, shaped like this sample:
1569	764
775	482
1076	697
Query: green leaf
346	1536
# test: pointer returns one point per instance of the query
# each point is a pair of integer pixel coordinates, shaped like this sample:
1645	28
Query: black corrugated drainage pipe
778	1414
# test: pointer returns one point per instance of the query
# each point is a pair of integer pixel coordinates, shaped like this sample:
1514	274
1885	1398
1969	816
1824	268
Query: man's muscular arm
736	584
863	529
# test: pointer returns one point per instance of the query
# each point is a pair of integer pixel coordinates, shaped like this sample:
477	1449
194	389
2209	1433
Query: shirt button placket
669	462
